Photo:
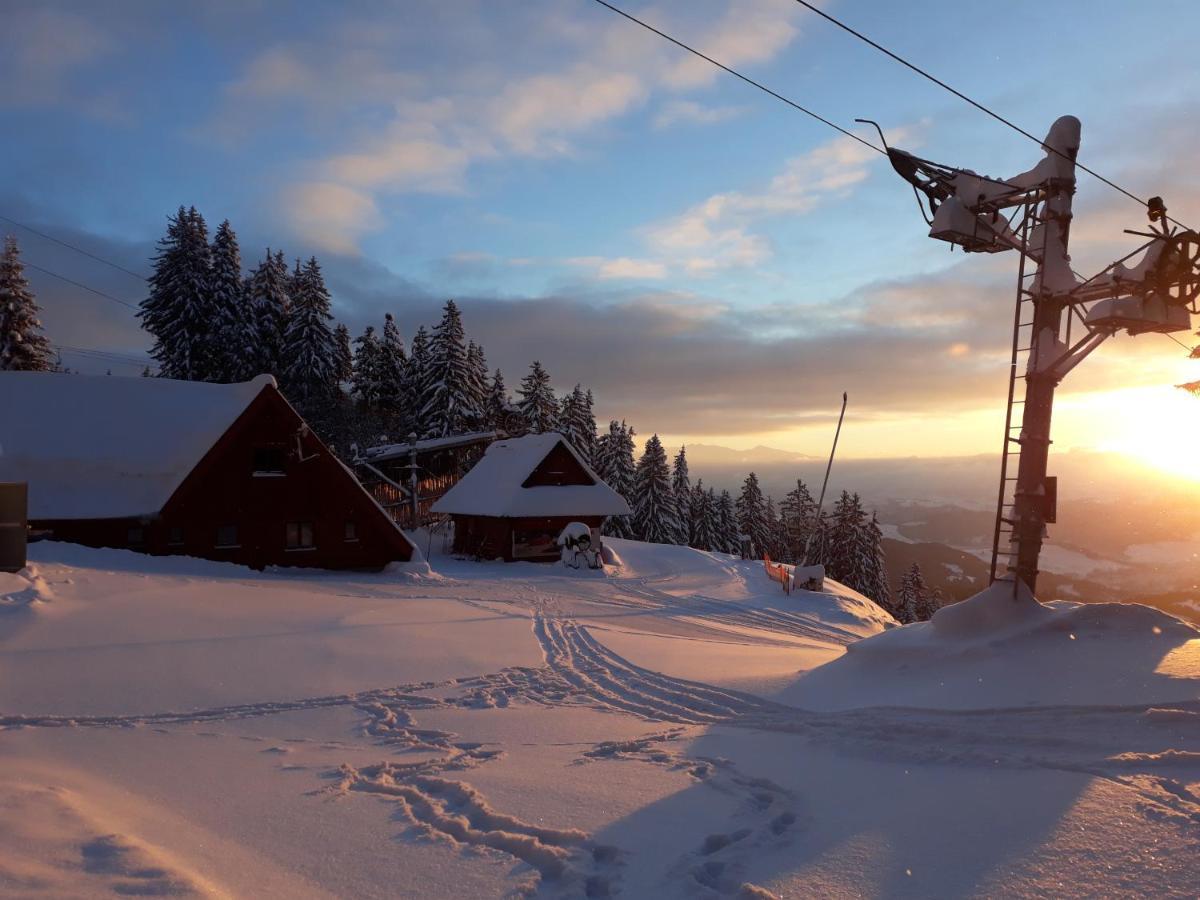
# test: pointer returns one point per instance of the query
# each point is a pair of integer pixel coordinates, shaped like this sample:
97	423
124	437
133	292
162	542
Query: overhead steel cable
69	246
78	284
975	103
737	74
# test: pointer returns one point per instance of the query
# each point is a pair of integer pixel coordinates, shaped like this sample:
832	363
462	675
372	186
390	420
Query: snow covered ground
675	727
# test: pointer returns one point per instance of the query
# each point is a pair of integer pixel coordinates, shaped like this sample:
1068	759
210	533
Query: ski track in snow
1138	747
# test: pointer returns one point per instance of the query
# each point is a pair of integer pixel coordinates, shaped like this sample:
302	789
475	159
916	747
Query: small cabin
227	472
520	496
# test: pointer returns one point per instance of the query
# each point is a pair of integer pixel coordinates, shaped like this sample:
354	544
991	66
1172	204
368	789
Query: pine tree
178	312
367	383
654	514
449	407
232	322
270	302
310	352
681	485
843	560
752	516
23	346
395	393
727	524
776	535
345	356
615	465
537	403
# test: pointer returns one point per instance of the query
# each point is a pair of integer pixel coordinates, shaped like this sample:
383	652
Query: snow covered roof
493	487
107	446
394	451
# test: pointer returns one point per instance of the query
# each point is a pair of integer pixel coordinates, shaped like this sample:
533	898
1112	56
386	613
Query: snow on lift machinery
1059	318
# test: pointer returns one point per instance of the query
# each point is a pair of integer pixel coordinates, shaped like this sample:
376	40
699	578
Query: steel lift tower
1059	318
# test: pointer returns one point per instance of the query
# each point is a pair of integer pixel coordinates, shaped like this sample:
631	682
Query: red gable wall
223	490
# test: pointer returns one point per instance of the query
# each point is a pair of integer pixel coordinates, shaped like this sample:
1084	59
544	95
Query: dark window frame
225	545
295	533
350	532
269	461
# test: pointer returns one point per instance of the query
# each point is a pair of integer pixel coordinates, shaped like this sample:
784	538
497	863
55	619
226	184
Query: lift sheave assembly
1059	318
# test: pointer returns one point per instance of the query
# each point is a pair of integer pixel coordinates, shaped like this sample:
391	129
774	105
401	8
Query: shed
222	471
521	494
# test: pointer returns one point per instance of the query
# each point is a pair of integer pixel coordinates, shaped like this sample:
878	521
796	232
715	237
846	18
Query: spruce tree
752	516
874	580
616	467
23	346
269	302
915	602
655	516
701	514
395	393
233	322
843	558
682	486
577	423
345	355
420	384
477	385
310	352
449	407
499	404
366	383
727	524
537	403
178	311
799	511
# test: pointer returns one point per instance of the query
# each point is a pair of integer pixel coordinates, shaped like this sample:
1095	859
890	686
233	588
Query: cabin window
227	536
175	536
300	536
135	535
351	532
269	460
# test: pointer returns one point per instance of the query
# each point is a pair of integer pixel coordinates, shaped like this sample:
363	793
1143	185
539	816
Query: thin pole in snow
825	483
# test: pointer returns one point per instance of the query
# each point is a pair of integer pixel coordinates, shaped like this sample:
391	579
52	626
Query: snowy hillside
672	727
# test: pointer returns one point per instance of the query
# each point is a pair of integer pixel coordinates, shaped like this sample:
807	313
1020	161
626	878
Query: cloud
42	51
425	134
717	233
329	215
621	267
689	112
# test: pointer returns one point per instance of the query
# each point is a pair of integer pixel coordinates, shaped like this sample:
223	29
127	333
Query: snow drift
1002	648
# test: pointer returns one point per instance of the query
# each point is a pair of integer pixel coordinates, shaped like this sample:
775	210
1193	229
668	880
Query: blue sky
715	265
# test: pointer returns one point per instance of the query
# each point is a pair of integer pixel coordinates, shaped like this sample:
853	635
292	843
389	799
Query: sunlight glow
1157	425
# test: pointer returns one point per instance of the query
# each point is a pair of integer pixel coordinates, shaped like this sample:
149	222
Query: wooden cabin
517	499
227	472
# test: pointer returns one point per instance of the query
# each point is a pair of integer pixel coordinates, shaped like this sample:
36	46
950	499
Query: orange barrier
778	572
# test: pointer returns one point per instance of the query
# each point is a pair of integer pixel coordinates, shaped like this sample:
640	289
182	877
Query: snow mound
1002	648
22	589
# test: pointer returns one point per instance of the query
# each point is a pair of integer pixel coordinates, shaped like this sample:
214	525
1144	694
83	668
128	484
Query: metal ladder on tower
1010	456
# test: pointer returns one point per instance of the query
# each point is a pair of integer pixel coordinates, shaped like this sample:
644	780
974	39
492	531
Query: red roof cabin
516	500
228	472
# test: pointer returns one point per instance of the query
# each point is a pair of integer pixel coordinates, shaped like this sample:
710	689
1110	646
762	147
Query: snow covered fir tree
23	345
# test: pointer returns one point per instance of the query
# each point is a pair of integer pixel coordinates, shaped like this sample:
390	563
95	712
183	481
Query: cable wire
736	74
979	106
78	284
100	259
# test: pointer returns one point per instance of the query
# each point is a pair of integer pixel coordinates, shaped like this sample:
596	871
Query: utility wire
979	106
62	243
78	284
736	74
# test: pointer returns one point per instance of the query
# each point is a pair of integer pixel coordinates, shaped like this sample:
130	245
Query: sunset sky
714	265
